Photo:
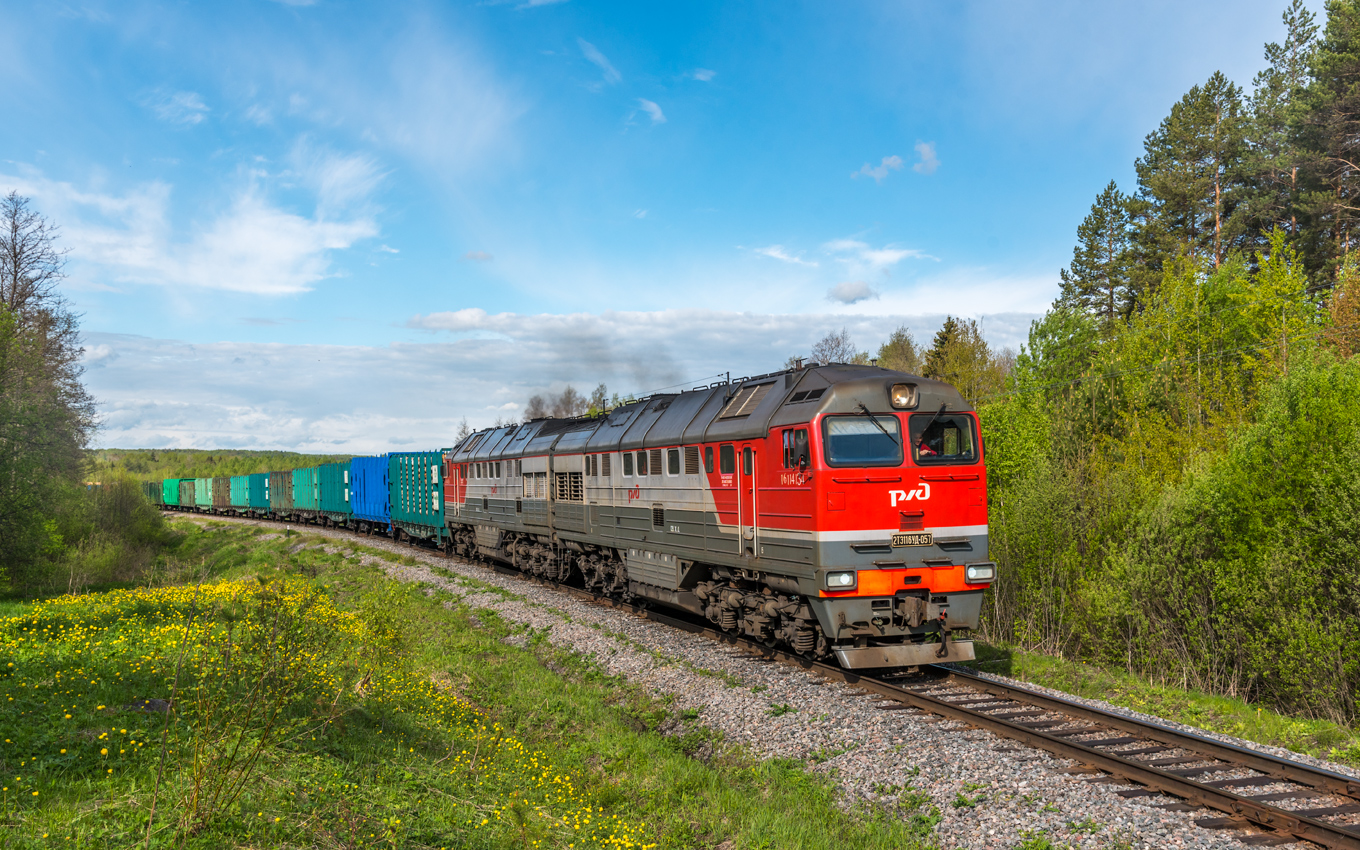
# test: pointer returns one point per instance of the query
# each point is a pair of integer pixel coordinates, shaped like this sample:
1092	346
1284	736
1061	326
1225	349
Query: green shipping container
417	483
239	500
257	492
153	492
306	492
203	492
170	491
333	490
186	492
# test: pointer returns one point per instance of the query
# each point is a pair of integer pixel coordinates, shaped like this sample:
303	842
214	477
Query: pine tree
1191	182
1274	159
1328	129
945	337
1097	281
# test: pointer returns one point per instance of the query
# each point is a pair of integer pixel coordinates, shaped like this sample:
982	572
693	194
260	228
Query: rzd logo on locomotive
922	493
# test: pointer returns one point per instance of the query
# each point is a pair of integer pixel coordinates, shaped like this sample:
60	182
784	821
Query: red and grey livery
839	510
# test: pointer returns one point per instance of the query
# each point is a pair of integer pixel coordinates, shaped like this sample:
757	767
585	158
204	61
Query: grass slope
317	703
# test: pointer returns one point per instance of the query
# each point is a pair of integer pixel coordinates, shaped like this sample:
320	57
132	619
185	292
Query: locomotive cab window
796	451
627	464
727	459
642	464
708	458
862	440
942	439
747	462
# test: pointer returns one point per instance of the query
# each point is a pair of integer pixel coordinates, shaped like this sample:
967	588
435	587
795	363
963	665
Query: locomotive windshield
941	439
862	440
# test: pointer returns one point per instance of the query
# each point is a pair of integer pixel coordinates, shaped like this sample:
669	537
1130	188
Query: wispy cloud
860	257
703	75
251	245
929	161
650	107
880	171
639	213
477	257
777	252
530	4
852	292
339	180
176	107
593	55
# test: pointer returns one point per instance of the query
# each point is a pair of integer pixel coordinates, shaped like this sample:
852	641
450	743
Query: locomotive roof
744	409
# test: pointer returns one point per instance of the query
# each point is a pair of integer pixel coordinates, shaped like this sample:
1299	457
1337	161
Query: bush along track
299	698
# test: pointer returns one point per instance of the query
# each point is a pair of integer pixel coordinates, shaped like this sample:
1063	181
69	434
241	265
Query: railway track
1272	800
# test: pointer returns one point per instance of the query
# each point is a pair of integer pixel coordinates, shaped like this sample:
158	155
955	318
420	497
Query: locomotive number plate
913	538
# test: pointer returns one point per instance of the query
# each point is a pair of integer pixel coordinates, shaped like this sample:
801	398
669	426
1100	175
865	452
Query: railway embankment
946	782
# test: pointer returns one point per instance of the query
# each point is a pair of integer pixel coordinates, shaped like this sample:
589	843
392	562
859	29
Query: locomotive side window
796	448
746	465
862	440
642	464
727	460
672	461
627	464
708	458
940	439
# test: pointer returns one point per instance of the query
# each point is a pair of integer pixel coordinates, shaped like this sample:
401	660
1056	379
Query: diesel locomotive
837	510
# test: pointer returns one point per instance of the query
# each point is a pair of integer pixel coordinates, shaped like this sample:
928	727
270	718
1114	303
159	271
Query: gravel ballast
989	791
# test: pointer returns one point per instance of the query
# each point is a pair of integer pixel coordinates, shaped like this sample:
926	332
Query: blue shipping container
368	493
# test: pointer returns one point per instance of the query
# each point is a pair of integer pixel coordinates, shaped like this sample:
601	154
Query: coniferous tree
1274	158
1328	130
1190	182
1097	281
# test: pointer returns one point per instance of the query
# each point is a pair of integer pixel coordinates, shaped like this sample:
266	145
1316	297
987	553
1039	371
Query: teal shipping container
170	491
417	483
186	493
239	501
203	492
257	492
306	492
333	491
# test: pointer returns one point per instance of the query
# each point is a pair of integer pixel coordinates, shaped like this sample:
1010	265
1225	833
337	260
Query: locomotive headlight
840	581
975	573
903	396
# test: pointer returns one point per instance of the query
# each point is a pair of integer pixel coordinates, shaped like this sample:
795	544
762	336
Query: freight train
837	510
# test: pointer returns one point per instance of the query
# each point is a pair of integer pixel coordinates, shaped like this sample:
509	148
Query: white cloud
852	292
861	257
183	107
388	249
477	256
592	54
703	75
158	392
880	171
530	4
929	161
658	117
639	213
250	246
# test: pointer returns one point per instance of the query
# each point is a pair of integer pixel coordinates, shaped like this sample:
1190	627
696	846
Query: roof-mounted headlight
903	396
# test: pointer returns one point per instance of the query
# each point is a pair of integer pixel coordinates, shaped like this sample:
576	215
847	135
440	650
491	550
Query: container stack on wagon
221	494
416	483
333	503
306	494
368	494
281	494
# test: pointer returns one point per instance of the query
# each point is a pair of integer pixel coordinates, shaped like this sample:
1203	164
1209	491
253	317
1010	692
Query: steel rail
1237	807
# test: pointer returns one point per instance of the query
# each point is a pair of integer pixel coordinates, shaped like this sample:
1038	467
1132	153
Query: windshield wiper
874	419
933	418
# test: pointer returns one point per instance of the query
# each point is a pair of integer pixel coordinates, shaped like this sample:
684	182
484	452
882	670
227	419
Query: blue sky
345	226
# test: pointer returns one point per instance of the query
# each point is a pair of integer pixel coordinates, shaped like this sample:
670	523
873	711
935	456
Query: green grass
1228	715
402	720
